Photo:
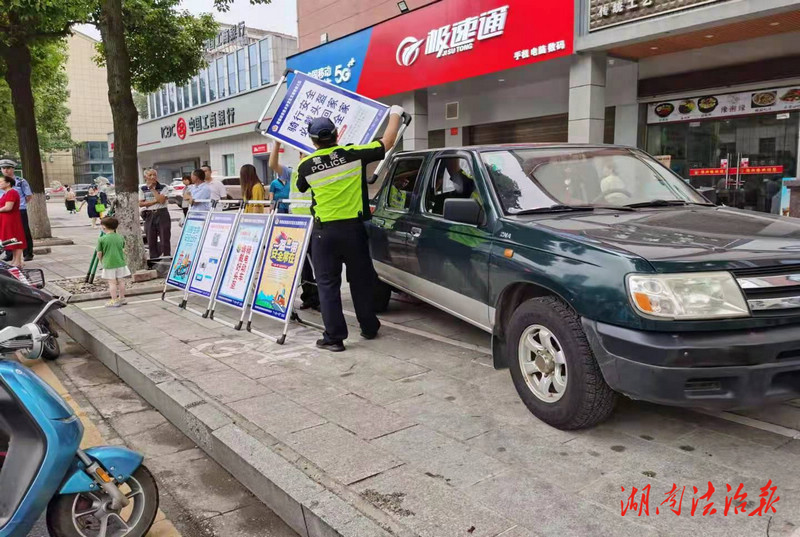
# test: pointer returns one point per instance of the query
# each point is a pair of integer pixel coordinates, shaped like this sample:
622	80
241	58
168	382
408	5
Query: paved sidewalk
416	436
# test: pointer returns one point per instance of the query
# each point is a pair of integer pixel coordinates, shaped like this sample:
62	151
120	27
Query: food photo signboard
286	246
211	254
239	267
185	255
726	105
357	118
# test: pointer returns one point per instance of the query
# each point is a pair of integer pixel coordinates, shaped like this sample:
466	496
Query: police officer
336	176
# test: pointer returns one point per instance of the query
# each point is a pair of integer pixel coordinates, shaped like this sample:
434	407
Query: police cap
322	128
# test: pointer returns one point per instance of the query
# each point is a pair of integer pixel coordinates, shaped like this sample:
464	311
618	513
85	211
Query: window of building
158	104
195	96
228	165
231	62
179	98
222	87
252	56
186	101
212	82
241	64
164	102
171	92
151	109
264	50
203	78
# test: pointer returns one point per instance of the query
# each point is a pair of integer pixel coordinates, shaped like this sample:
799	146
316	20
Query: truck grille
771	290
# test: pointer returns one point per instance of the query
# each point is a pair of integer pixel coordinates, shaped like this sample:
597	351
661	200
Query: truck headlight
701	295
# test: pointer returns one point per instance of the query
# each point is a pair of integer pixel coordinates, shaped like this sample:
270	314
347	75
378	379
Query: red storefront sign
749	170
260	148
452	40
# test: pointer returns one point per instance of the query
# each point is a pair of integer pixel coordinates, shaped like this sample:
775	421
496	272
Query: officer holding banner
336	177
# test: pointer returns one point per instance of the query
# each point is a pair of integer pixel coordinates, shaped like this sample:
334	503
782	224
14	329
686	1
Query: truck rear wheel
553	368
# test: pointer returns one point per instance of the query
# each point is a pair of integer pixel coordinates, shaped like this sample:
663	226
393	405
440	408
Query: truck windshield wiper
657	203
555	209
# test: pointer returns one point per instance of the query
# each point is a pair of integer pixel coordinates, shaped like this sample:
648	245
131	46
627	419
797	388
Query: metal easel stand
259	261
213	210
271	100
202	236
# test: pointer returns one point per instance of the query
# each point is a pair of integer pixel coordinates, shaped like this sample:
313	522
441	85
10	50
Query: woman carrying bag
95	205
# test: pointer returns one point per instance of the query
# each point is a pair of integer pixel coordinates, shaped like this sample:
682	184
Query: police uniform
309	295
336	177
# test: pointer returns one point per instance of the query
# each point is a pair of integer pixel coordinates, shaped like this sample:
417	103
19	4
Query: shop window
203	87
252	57
241	64
402	183
228	165
231	61
222	87
264	51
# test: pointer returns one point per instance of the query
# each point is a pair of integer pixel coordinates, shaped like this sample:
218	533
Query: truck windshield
526	179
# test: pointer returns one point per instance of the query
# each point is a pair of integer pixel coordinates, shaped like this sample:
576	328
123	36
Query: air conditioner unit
451	110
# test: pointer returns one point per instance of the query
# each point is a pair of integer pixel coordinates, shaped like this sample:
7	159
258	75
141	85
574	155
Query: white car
176	192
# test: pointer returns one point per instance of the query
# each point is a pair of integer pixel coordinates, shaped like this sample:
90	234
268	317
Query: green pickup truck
597	272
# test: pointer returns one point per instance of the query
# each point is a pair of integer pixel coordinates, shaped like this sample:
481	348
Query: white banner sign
731	104
357	118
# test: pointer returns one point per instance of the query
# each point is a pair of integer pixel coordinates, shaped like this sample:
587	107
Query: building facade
668	76
89	119
210	120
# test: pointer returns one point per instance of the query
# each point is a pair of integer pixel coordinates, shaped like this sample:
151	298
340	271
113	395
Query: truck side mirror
464	211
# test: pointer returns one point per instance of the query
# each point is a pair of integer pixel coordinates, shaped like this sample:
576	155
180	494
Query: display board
357	118
211	254
186	253
240	265
287	243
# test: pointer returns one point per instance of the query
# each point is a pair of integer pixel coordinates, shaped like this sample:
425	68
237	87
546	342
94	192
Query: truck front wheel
553	368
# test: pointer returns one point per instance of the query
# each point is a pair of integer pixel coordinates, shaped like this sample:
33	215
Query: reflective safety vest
397	198
335	176
296	195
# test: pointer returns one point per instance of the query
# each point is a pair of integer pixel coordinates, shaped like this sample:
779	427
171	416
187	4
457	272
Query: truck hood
687	238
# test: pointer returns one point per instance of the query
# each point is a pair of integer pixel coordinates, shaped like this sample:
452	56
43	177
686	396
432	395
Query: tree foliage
50	93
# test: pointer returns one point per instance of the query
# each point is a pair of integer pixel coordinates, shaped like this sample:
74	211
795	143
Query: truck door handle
416	232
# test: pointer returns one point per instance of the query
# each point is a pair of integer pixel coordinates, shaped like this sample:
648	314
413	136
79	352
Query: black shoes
369	336
29	258
333	346
309	306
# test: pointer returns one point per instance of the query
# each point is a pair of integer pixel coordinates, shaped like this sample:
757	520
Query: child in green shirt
111	253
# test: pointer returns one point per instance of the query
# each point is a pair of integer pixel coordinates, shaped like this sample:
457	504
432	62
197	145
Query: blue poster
240	265
357	119
210	256
181	266
286	244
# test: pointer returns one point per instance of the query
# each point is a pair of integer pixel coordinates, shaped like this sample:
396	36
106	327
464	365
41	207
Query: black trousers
309	294
158	228
28	251
336	243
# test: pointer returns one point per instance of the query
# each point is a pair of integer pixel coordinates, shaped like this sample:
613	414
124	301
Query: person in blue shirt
25	195
200	191
280	187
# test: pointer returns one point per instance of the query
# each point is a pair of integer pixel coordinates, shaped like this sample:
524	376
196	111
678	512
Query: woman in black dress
92	199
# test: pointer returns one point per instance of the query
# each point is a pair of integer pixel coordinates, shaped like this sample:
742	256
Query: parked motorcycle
99	492
23	300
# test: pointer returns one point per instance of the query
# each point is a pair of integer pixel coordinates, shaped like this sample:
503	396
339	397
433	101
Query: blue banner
339	62
185	255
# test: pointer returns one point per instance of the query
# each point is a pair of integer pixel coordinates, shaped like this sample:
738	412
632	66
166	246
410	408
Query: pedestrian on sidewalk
111	253
11	221
95	202
199	191
252	189
25	195
157	222
187	189
69	200
216	189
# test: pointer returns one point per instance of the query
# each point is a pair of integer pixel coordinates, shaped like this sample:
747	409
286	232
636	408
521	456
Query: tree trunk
18	77
123	110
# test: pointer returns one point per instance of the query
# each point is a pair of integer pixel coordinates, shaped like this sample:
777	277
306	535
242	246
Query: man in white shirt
217	189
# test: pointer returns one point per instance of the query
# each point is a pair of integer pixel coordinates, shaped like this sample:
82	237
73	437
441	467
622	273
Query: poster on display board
286	245
186	253
210	255
727	105
357	118
240	265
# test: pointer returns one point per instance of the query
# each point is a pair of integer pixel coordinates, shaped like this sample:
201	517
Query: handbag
100	208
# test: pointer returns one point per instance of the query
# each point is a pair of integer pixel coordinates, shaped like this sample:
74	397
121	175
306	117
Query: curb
252	457
53	241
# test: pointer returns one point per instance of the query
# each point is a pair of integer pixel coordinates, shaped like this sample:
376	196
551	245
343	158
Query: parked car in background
176	196
81	190
597	271
233	186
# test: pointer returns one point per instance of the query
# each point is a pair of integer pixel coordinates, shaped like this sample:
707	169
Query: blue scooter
100	492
